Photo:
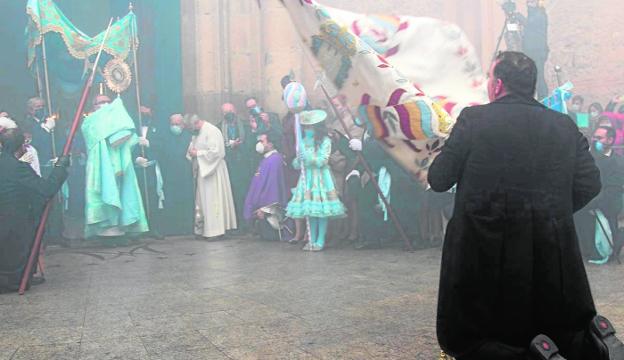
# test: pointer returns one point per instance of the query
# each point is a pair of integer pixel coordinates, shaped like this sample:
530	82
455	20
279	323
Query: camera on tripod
509	7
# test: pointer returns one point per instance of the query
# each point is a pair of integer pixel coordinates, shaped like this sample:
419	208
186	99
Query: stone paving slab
238	299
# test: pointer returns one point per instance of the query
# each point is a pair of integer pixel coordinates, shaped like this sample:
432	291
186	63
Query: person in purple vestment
267	192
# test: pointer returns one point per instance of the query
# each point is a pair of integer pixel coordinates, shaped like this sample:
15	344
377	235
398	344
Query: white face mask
260	148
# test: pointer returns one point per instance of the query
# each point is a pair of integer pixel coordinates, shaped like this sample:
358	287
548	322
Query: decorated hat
312	117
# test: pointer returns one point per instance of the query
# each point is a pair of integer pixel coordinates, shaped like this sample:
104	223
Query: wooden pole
70	139
369	171
137	85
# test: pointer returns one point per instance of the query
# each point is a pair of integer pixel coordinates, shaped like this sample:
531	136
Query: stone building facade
234	48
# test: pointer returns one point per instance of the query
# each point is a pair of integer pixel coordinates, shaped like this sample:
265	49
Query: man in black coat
511	264
20	196
179	212
147	156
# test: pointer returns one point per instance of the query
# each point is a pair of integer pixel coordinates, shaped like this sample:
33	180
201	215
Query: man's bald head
176	119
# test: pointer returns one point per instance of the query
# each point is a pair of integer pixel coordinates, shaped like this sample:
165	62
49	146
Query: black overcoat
511	265
21	194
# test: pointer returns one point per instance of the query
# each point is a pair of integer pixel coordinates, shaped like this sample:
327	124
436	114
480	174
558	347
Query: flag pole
39	85
70	139
369	171
47	87
137	85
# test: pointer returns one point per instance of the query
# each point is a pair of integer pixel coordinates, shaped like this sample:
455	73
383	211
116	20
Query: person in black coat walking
20	198
512	276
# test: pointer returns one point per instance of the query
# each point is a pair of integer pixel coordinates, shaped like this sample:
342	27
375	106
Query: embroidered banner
386	66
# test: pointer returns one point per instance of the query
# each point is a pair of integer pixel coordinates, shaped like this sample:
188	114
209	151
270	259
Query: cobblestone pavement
238	299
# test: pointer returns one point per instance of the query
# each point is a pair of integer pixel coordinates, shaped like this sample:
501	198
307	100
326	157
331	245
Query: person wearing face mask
147	157
594	110
28	153
609	200
575	110
20	196
261	121
267	189
238	156
177	178
577	104
315	197
41	127
513	284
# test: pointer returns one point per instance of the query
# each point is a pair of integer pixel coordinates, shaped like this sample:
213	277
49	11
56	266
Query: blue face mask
599	146
40	114
308	133
175	129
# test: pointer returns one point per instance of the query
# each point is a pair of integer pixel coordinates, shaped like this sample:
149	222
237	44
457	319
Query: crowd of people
243	175
525	184
598	224
240	175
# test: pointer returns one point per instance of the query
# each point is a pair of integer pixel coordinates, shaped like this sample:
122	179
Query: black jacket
511	265
612	177
20	198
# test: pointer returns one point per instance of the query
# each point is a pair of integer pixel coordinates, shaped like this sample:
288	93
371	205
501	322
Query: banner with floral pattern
405	76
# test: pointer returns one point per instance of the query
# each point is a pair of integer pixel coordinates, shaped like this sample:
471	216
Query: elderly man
261	121
177	178
40	126
214	205
20	197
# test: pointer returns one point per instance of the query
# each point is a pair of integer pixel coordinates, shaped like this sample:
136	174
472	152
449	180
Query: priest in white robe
214	204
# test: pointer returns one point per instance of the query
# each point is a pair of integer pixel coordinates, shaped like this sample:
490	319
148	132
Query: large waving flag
385	65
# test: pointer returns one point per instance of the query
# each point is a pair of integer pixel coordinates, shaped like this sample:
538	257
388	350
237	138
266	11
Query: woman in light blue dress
315	196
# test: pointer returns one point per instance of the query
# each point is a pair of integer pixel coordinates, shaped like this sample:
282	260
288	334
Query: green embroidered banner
45	16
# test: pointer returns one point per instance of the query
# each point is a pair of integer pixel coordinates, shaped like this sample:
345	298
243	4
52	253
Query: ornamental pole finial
130	6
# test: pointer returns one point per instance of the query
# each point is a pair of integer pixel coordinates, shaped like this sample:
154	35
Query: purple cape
267	186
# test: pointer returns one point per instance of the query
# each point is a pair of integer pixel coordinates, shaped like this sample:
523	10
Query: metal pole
70	138
39	84
137	85
47	86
